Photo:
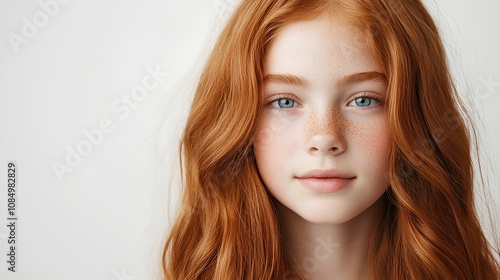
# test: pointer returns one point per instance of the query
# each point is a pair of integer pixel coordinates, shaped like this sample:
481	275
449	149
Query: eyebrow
362	77
285	79
344	81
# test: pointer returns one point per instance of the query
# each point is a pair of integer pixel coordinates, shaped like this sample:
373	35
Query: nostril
333	149
325	144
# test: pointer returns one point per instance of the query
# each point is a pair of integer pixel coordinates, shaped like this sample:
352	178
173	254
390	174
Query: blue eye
365	101
283	103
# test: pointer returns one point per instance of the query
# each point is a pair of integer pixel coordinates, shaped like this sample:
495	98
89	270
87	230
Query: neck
328	251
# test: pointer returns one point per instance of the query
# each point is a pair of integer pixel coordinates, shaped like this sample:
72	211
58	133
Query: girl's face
322	141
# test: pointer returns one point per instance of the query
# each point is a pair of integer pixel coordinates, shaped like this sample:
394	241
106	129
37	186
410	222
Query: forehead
321	49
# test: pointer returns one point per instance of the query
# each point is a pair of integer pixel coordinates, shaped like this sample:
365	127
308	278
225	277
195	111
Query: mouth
325	181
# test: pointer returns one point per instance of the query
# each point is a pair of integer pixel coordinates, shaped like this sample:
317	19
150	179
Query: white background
107	217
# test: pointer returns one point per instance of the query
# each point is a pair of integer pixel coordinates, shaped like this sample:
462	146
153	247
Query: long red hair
227	227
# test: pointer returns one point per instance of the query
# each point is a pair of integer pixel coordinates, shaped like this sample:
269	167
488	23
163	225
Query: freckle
310	124
339	120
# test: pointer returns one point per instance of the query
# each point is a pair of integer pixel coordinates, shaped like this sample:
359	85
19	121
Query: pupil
285	102
362	101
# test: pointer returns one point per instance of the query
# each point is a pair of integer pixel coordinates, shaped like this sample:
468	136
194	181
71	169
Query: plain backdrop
94	95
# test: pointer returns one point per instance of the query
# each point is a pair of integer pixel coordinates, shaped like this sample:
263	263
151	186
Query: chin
327	219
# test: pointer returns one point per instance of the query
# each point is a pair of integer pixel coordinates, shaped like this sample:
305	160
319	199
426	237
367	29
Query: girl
326	141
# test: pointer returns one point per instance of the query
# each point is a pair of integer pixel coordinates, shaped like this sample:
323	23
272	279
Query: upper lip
325	173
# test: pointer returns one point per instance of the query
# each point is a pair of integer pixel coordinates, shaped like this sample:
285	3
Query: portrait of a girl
326	140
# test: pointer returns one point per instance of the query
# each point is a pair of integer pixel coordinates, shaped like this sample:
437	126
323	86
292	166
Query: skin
325	124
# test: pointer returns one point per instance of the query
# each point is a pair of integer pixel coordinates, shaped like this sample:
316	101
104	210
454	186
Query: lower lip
325	185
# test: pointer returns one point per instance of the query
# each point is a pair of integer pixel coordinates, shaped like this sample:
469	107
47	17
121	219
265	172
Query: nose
326	134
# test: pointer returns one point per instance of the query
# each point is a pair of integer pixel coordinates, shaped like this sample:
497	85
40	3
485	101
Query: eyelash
364	94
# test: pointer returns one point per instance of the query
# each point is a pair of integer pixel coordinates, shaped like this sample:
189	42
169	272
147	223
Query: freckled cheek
373	143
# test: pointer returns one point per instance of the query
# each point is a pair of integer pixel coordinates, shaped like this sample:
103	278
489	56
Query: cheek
374	138
373	145
273	131
264	144
274	145
377	150
266	154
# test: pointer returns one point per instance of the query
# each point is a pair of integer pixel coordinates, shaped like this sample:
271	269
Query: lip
325	180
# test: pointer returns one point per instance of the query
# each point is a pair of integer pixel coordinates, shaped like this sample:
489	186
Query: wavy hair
227	227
